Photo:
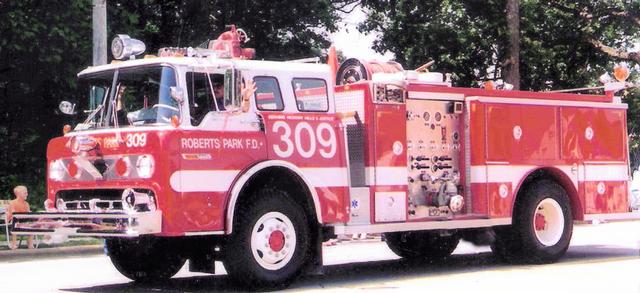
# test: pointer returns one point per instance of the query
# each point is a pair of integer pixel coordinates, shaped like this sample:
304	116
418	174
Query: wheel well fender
282	174
559	176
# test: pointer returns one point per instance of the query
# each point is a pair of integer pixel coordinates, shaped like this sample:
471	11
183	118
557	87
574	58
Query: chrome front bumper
111	224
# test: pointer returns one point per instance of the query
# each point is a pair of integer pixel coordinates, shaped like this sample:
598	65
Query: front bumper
113	224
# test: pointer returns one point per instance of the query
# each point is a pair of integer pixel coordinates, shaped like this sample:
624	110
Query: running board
417	226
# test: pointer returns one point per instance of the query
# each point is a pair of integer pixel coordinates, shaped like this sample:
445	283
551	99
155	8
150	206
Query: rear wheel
270	242
145	259
542	226
421	245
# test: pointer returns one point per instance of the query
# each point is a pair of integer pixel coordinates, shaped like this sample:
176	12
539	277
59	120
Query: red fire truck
177	158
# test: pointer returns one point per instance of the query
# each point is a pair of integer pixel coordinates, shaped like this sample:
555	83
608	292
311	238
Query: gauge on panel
438	116
426	116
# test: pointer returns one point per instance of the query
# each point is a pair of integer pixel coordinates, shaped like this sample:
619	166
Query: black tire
542	226
506	247
421	245
273	265
145	259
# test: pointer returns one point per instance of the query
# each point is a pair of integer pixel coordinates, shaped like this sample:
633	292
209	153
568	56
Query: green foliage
42	44
281	29
470	36
463	37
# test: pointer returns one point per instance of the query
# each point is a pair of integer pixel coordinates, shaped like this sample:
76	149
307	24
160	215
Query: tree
283	29
42	46
463	37
563	43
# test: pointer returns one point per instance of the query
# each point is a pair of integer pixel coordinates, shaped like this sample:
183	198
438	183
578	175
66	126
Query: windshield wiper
93	113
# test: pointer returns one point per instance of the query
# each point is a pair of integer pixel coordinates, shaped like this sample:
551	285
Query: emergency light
123	47
621	71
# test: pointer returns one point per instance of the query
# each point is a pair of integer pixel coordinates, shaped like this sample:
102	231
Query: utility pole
513	63
99	32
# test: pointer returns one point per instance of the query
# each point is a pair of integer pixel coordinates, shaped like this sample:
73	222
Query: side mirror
177	94
67	108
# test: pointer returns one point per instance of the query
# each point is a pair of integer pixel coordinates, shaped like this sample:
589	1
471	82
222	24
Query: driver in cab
140	116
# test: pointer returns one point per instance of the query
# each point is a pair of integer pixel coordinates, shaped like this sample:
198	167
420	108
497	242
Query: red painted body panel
334	204
538	140
389	128
608	142
477	132
222	151
480	205
552	137
500	206
613	200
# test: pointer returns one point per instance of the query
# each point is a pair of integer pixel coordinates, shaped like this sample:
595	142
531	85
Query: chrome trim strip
202	233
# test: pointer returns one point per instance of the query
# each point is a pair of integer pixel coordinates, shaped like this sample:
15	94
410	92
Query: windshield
128	97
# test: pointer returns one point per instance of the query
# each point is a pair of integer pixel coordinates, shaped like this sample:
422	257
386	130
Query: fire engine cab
203	155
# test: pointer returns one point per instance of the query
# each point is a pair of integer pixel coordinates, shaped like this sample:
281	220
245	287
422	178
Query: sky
354	44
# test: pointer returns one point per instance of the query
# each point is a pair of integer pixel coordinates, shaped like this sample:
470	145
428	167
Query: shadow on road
376	272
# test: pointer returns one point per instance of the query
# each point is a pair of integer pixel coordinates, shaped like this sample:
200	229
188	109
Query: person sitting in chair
19	205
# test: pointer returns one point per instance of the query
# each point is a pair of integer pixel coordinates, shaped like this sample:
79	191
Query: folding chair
4	221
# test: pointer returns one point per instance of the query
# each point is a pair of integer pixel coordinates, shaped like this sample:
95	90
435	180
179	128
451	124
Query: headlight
144	166
61	205
56	170
133	201
49	206
122	166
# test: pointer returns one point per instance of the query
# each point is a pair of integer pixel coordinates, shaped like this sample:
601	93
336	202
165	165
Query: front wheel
542	226
270	242
145	259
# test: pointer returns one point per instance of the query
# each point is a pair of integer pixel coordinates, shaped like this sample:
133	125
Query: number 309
323	139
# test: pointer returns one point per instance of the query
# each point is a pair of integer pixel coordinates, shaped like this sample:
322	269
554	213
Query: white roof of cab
282	66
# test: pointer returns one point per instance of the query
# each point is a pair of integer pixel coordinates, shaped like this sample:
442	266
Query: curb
54	252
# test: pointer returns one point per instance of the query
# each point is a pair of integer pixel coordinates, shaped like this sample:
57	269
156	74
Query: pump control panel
434	154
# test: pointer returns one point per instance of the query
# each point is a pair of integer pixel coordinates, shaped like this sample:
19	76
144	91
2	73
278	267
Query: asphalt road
602	258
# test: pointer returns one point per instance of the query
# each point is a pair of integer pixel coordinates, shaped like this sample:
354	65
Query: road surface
601	258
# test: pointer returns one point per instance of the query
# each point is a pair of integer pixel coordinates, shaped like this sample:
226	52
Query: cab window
267	95
311	94
201	88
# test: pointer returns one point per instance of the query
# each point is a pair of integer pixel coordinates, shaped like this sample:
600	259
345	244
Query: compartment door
389	173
